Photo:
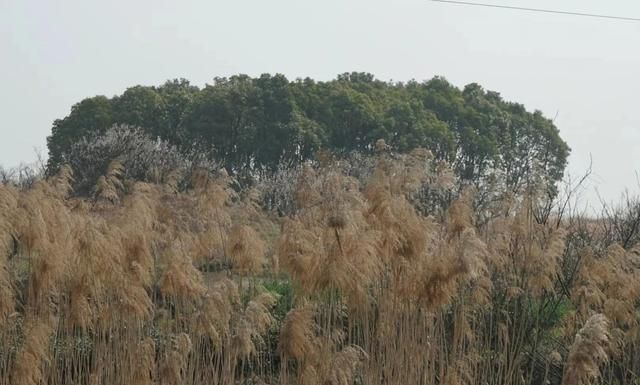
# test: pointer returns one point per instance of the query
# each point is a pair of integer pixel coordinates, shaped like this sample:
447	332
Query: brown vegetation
158	284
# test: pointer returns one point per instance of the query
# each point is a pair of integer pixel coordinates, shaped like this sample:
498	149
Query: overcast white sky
587	71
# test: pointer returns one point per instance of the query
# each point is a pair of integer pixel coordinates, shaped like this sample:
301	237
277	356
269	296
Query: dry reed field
154	283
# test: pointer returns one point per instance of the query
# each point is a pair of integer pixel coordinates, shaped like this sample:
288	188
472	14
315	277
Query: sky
583	72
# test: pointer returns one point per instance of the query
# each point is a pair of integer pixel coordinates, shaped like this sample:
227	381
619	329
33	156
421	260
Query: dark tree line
248	123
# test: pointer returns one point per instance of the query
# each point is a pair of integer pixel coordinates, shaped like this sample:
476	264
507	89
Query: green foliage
90	116
248	123
284	291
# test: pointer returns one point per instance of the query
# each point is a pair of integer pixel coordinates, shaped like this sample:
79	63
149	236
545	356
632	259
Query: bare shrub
143	158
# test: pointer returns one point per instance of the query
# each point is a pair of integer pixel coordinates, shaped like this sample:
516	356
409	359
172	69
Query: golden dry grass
114	289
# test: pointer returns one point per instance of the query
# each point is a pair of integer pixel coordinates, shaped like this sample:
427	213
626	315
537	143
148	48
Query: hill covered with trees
250	123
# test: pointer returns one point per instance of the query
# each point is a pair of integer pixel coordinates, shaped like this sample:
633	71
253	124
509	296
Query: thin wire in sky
610	17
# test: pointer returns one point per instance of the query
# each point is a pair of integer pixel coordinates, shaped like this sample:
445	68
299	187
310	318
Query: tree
178	95
251	123
141	107
90	116
219	120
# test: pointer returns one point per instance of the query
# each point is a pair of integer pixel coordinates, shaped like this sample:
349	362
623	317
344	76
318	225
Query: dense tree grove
254	123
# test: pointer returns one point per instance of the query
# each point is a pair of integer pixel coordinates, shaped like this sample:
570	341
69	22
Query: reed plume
173	365
33	356
8	210
588	352
147	284
298	334
247	250
110	184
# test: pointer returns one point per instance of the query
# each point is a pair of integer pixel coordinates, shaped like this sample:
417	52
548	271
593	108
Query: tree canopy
247	123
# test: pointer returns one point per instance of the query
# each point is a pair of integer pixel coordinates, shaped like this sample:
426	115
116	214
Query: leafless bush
277	188
622	221
25	175
143	158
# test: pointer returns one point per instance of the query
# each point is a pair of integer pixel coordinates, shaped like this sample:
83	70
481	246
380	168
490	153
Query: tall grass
155	284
